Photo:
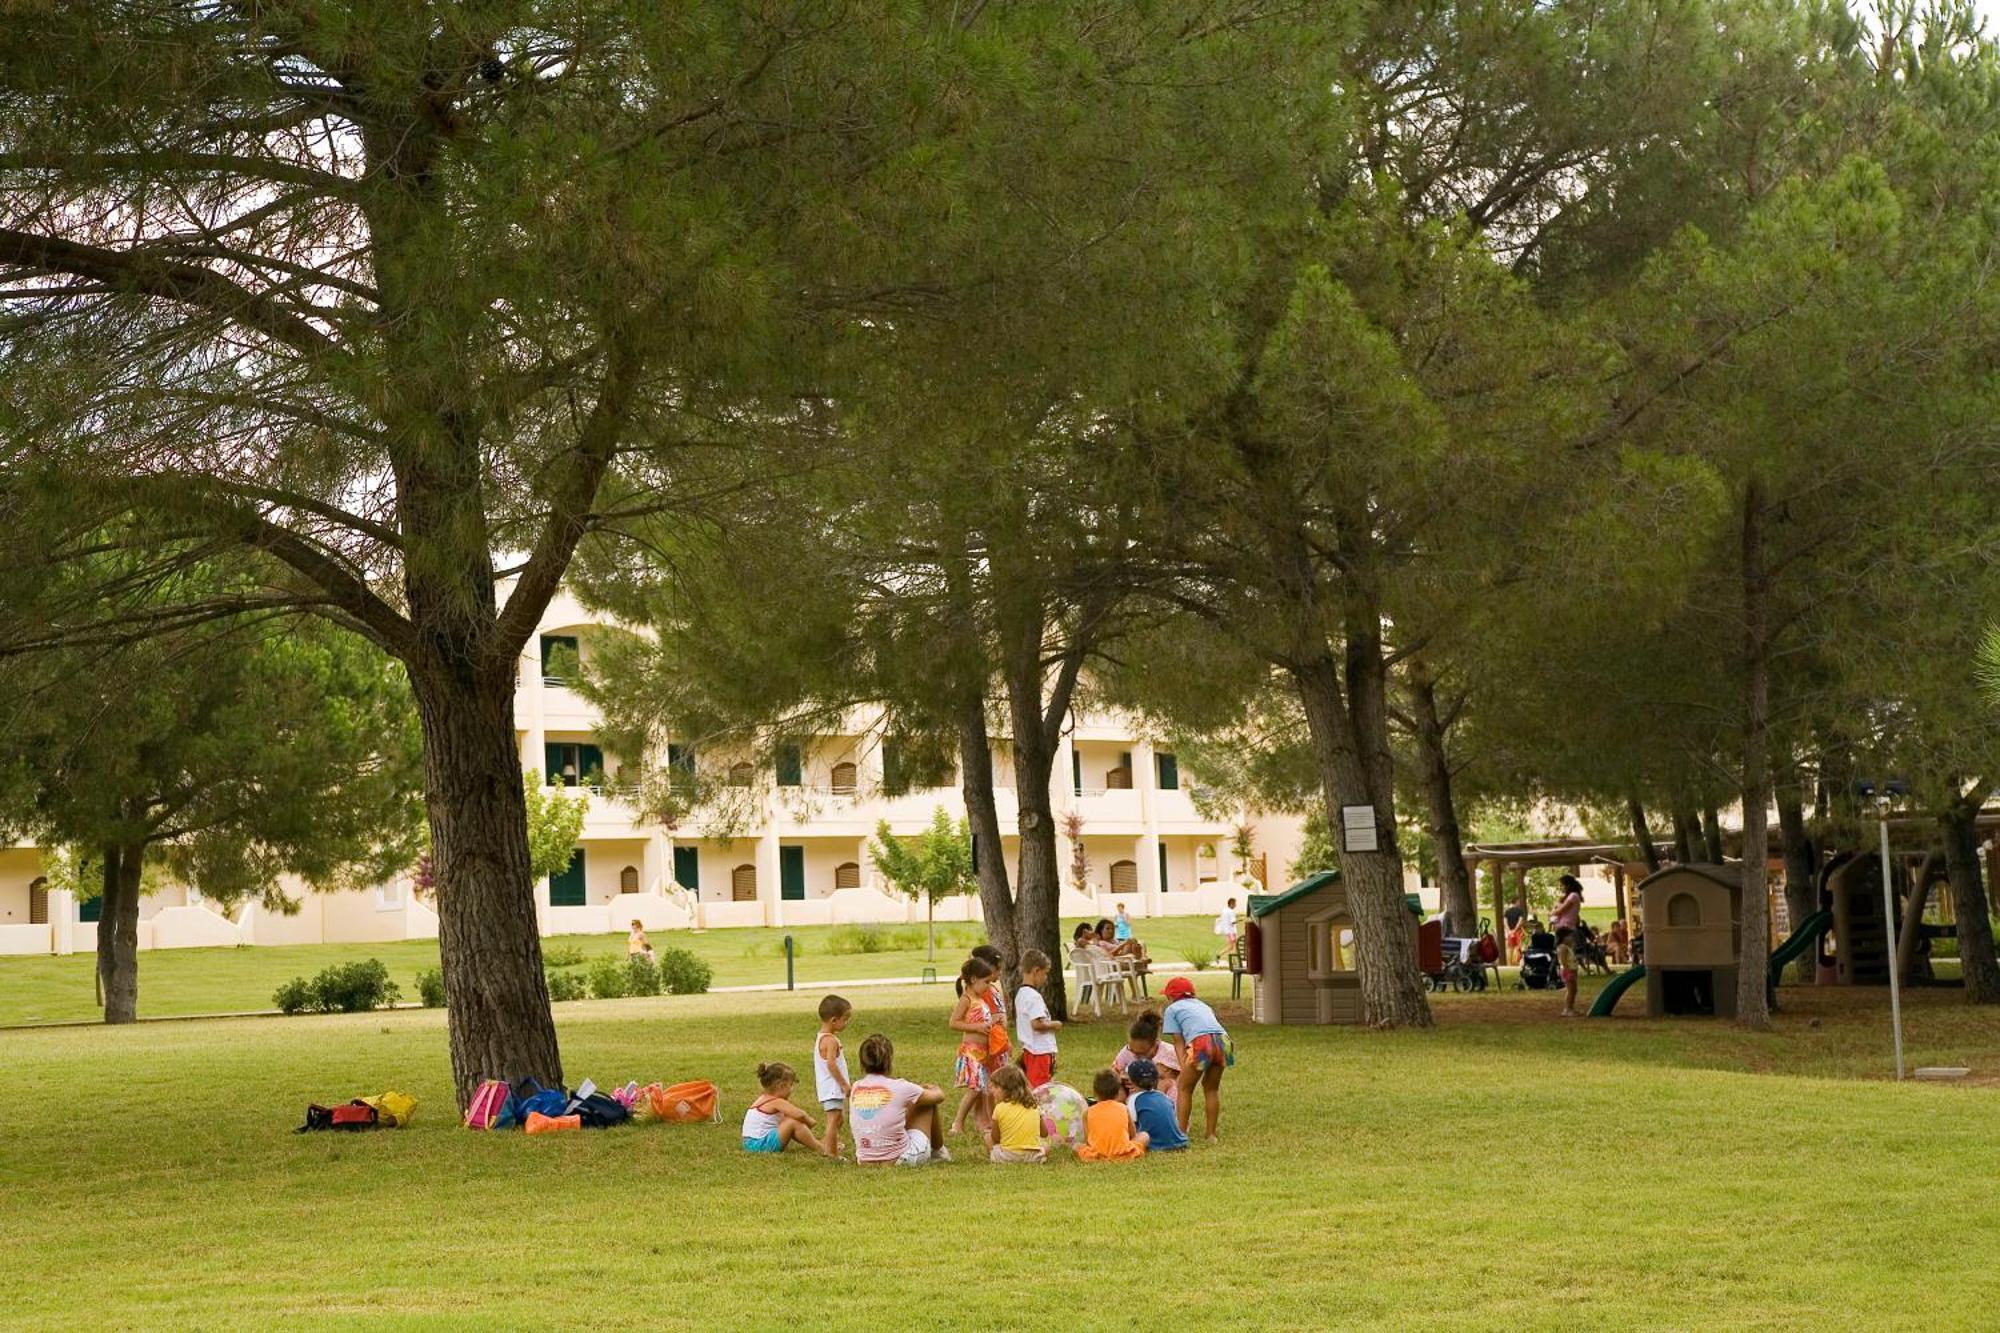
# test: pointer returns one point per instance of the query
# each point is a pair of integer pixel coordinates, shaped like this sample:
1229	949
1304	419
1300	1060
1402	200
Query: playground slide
1795	944
1607	999
1799	941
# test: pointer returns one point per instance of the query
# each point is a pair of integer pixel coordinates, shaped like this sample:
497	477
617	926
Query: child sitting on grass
895	1120
772	1122
830	1080
1152	1110
1203	1047
1107	1125
1016	1132
1033	1025
1143	1043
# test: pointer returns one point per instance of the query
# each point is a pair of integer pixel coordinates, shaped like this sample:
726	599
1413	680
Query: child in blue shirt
1205	1051
1152	1110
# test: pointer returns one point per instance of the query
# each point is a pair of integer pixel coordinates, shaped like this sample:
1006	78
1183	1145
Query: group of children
893	1120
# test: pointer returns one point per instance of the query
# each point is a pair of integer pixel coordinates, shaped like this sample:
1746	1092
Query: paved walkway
944	977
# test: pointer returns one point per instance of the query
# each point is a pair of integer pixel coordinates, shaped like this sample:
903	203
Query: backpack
317	1117
491	1106
598	1111
537	1123
1489	952
393	1109
685	1102
531	1098
357	1114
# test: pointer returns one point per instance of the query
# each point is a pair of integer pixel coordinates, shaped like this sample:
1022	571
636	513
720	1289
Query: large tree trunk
1801	867
1038	893
1711	834
1687	834
1907	931
1969	903
1454	881
1350	738
1753	1005
488	937
996	897
1642	834
118	931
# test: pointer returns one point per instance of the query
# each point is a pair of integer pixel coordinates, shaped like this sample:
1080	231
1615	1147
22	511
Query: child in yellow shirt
1015	1135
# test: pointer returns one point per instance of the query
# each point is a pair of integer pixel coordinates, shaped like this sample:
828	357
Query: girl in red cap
1204	1048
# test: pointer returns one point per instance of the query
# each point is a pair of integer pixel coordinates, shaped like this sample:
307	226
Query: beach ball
1062	1111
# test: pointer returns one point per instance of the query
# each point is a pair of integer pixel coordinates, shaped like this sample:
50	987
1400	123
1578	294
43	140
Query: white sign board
1357	827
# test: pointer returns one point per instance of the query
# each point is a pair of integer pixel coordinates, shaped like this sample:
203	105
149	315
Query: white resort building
797	846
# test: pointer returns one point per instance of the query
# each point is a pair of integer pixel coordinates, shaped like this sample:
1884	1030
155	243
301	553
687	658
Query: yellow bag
393	1109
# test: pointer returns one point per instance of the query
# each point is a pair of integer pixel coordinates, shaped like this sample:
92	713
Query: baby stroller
1590	955
1538	964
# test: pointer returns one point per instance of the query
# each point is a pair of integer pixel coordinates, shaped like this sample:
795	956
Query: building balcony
563	709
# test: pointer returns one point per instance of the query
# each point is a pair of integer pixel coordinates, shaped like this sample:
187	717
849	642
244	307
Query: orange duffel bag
697	1100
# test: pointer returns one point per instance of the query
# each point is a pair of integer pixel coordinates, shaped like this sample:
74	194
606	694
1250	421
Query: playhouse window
1683	910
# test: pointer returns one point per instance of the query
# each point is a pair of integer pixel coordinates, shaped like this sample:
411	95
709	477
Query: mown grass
1509	1168
222	981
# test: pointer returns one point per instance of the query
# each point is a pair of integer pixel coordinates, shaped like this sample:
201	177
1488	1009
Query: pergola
1572	854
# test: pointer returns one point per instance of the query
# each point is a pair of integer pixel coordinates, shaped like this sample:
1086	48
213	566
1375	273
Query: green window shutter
892	769
90	909
1170	771
1076	771
687	868
791	766
566	887
1163	867
792	873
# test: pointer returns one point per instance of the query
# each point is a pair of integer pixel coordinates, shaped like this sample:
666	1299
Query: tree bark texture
1711	835
488	938
118	931
996	896
1454	881
1753	1008
1970	904
1687	835
1642	833
1350	738
1038	892
1801	868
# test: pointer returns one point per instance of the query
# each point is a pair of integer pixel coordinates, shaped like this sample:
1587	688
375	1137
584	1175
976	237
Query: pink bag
487	1103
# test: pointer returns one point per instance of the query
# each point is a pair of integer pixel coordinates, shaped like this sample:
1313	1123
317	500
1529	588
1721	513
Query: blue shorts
767	1143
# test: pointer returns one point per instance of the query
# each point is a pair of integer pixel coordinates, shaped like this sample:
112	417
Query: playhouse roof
1729	876
1263	904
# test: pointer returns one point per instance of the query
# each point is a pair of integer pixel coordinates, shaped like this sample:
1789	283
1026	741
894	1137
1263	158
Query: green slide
1607	999
1799	941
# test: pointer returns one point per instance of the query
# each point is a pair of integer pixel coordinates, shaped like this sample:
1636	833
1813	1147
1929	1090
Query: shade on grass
1507	1169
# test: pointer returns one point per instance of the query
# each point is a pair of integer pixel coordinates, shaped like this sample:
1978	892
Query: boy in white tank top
830	1068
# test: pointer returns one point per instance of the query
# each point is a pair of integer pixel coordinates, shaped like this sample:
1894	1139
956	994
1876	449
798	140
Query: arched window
1124	876
743	884
628	880
742	773
843	779
847	875
1683	910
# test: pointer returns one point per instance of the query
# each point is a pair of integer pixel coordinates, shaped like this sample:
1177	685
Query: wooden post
1618	888
1499	907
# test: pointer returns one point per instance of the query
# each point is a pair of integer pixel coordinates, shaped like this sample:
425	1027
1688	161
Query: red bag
356	1115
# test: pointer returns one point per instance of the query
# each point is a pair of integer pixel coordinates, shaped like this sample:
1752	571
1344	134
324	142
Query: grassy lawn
215	981
1509	1168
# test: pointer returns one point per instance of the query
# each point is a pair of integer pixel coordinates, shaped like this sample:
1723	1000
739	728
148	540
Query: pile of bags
385	1110
529	1106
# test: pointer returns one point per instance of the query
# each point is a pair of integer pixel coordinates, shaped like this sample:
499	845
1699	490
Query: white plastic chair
1095	977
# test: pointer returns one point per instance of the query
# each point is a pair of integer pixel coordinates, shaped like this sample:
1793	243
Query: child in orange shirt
1107	1125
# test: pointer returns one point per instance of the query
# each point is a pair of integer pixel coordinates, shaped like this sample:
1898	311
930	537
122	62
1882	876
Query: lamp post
1890	789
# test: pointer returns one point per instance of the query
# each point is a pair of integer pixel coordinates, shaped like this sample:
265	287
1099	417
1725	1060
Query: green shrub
771	947
1201	955
607	978
562	955
430	988
567	986
294	996
857	939
682	973
344	988
641	976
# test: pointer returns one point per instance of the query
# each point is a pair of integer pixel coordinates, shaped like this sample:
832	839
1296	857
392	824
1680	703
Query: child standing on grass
1203	1048
772	1122
1107	1125
1016	1132
1032	1023
1152	1110
1566	961
972	1019
830	1067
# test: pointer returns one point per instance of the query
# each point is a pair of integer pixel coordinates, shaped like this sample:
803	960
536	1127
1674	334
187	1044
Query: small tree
935	864
1079	856
554	821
